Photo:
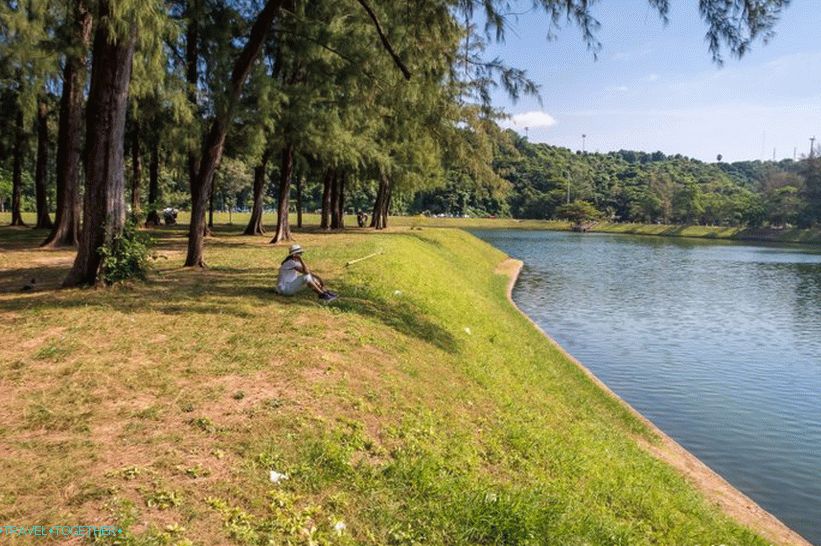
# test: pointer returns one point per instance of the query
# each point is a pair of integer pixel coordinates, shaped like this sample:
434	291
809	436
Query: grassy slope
419	409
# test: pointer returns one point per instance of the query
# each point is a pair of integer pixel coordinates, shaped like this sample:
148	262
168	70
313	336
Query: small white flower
397	292
467	331
339	527
277	477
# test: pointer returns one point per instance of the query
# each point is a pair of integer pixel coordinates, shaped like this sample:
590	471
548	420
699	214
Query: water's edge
730	500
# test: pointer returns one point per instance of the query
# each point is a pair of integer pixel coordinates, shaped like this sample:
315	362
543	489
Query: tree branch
385	42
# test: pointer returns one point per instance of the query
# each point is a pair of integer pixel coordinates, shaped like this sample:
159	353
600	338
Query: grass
421	408
792	235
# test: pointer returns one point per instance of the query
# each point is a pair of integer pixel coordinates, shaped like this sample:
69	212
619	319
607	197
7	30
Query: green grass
421	408
792	235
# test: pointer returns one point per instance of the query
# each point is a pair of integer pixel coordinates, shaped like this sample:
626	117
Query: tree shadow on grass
222	290
400	315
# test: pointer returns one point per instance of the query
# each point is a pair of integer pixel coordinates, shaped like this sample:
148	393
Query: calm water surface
719	344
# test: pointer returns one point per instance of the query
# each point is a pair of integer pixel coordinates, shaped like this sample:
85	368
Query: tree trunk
338	202
379	219
327	185
210	225
299	201
136	171
104	204
255	226
283	232
387	208
41	170
153	218
69	134
17	173
192	78
215	140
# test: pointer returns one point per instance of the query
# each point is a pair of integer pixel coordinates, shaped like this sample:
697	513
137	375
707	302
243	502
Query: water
719	344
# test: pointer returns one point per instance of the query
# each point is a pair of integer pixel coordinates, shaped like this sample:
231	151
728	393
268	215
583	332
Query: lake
718	343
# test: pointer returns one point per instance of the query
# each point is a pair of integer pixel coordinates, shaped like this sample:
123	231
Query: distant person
361	219
294	275
170	215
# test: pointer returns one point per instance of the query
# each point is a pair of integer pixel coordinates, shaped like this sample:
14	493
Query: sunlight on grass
421	408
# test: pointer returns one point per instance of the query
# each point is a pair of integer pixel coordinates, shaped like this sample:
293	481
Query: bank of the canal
717	343
731	501
421	407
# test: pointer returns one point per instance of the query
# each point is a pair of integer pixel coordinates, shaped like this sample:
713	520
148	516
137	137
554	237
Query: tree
255	226
578	212
41	169
104	206
153	217
67	219
215	140
17	171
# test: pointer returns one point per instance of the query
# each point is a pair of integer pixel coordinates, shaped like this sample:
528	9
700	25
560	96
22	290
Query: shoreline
716	489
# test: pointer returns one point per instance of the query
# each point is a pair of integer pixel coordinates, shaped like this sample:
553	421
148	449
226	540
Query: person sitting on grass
294	275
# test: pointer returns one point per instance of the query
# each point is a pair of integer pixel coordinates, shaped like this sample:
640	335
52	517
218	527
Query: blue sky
655	87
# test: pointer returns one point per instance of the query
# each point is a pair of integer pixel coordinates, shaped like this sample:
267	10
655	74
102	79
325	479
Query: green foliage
127	256
628	186
578	212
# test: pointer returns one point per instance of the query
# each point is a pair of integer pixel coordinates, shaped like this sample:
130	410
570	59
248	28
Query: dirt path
732	502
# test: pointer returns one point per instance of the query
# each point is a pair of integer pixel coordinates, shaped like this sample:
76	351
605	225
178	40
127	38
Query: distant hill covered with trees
539	180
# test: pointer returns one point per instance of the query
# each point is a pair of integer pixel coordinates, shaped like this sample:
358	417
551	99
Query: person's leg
316	287
315	278
309	280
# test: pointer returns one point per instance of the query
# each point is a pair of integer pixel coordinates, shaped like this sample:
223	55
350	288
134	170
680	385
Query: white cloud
652	77
533	119
619	88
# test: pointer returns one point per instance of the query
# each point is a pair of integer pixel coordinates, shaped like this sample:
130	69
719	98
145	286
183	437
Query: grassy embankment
805	236
421	408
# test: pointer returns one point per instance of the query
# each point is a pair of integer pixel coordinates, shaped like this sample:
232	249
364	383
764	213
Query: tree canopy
353	104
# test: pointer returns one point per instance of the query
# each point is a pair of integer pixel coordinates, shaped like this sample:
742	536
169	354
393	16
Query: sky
655	87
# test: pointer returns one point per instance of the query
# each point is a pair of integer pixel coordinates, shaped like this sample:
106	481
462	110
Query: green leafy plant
127	256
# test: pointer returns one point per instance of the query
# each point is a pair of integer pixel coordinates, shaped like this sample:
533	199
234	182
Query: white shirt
288	272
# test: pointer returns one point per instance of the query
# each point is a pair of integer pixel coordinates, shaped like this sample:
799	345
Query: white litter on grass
467	331
339	527
277	477
397	292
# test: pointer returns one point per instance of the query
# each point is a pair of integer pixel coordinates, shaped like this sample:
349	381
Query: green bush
127	256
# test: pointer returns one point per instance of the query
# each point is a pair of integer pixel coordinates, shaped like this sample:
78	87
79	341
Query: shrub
127	256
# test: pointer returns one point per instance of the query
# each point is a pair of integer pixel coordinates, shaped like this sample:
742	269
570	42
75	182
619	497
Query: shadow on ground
179	291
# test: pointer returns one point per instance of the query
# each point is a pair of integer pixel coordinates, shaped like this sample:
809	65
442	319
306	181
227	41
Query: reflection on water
719	344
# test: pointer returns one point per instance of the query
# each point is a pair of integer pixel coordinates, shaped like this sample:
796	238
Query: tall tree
255	226
327	185
286	168
104	205
215	140
136	170
153	217
17	171
41	168
69	136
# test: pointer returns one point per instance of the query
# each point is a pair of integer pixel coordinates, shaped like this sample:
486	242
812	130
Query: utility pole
583	137
568	188
527	132
812	146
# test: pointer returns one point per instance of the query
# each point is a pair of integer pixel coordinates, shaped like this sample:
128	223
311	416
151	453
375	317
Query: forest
540	180
115	110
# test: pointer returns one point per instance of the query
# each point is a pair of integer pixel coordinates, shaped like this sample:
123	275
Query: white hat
295	249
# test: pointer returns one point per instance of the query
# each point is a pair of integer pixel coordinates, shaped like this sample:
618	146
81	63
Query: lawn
420	408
